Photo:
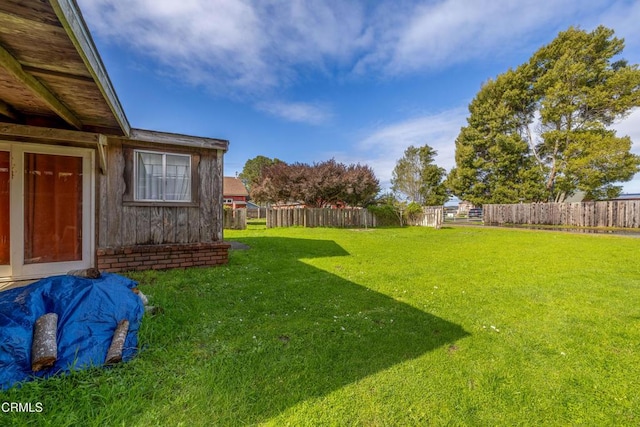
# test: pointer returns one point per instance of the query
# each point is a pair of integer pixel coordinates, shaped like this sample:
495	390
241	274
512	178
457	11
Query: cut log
87	273
44	349
143	297
114	354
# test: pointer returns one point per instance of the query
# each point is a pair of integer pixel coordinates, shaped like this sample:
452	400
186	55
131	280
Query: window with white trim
162	177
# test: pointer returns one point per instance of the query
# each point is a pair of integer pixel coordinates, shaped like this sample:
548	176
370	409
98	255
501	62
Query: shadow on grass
280	332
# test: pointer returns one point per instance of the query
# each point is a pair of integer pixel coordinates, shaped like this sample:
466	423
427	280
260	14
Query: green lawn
384	327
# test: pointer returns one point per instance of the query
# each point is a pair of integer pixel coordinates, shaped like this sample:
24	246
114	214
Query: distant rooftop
234	187
628	196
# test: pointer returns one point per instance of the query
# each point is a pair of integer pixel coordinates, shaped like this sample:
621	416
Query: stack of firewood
44	349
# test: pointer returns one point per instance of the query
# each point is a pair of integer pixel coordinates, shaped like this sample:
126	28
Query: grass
413	326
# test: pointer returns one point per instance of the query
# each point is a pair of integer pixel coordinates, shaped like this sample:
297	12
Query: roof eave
71	19
179	139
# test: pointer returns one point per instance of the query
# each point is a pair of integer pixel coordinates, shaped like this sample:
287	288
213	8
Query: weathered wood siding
623	214
320	217
125	223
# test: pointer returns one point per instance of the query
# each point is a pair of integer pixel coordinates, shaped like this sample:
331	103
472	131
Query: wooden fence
256	213
235	219
320	217
623	214
432	216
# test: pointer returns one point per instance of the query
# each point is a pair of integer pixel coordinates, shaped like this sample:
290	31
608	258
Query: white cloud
205	42
233	46
448	32
255	48
300	112
261	44
382	148
630	126
623	16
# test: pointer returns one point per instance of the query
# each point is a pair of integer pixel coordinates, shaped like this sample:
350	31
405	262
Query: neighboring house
627	196
79	187
255	211
464	207
235	193
576	197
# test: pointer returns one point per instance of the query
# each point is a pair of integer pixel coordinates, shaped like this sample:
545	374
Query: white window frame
164	154
18	270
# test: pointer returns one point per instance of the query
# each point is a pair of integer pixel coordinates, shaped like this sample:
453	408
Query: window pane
5	226
149	179
178	175
52	208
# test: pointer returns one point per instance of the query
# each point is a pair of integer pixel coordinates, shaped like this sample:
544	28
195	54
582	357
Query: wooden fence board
622	214
235	219
341	218
432	216
319	217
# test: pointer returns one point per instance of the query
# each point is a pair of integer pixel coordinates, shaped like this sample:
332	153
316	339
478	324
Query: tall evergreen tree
543	130
493	162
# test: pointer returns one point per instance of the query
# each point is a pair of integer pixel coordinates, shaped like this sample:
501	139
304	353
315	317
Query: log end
114	359
87	273
114	354
43	363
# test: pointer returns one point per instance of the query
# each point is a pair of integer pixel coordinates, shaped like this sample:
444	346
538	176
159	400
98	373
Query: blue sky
306	81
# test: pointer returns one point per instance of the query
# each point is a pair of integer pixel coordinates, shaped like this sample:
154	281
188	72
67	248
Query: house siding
181	236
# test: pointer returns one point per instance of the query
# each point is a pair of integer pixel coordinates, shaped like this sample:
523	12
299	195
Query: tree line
542	131
322	184
539	132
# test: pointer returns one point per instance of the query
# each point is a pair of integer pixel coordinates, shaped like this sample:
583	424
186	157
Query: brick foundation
162	257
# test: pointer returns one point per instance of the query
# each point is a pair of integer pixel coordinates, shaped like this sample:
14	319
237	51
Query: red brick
160	257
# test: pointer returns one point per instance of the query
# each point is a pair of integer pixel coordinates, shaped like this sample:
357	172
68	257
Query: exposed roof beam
13	66
36	71
176	139
7	111
26	131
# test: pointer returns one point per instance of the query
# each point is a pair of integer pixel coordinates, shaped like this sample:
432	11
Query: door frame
17	270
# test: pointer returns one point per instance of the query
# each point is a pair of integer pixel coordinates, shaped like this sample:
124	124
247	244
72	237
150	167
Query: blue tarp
88	312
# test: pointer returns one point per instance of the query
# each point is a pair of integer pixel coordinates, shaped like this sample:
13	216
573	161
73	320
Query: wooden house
235	194
79	187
